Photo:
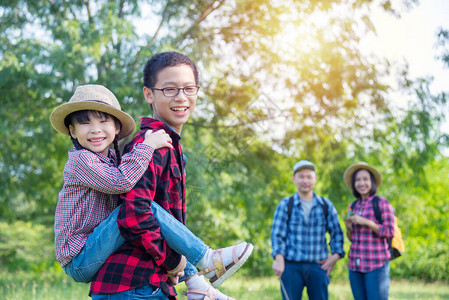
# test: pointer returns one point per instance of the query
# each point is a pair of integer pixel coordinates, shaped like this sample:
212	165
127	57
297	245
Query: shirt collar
297	200
174	131
150	123
368	199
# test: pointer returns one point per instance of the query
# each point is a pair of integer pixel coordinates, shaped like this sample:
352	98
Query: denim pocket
86	274
148	292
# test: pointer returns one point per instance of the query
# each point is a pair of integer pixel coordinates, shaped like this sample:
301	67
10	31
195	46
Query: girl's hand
359	220
348	223
158	139
356	219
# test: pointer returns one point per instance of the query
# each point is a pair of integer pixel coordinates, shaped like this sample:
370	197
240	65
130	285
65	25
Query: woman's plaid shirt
92	183
145	258
369	251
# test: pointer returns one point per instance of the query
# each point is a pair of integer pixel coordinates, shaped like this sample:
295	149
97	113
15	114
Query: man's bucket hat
361	165
92	97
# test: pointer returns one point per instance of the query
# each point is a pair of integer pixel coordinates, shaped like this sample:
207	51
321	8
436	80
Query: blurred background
331	81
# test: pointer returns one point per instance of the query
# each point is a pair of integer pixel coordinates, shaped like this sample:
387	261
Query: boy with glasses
139	269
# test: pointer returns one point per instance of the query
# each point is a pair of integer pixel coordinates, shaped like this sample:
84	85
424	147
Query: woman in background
369	255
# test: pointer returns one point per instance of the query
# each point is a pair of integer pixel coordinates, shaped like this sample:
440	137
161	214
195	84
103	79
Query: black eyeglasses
172	91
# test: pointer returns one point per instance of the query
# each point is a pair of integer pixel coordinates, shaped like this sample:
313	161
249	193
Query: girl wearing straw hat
94	175
369	266
86	230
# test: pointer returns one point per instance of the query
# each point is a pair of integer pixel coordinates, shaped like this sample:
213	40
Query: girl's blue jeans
374	285
106	238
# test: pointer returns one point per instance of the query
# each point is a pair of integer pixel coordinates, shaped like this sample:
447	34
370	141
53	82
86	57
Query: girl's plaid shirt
92	183
369	251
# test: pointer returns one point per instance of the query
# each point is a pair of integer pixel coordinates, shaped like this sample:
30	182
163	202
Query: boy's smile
176	110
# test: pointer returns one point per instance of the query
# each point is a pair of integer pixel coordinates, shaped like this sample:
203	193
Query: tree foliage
281	80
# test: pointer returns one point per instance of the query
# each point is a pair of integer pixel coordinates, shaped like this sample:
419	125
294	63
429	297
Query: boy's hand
175	279
157	139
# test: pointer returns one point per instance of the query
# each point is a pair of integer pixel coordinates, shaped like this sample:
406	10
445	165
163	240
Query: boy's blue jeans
106	238
374	285
144	292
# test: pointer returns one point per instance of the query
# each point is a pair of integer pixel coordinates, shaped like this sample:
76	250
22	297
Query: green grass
19	285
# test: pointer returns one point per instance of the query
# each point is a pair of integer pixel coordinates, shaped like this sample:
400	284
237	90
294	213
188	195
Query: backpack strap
378	216
325	207
376	209
289	208
353	204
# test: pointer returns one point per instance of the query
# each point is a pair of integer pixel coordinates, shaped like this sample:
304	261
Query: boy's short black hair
163	60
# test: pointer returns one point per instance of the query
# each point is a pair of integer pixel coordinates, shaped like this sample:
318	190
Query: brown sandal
222	273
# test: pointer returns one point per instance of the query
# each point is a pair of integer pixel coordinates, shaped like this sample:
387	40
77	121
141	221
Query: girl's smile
362	183
96	134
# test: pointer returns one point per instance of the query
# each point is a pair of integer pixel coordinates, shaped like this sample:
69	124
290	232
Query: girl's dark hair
373	189
117	150
82	116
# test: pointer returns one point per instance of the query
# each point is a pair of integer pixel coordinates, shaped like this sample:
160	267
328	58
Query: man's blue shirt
306	242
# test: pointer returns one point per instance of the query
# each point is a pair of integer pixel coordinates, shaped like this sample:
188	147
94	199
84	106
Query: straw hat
361	165
92	97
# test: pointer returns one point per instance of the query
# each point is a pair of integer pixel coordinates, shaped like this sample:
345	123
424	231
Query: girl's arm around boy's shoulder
139	154
134	164
155	139
106	177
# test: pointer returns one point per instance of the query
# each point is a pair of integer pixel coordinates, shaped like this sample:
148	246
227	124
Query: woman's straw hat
361	165
92	97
